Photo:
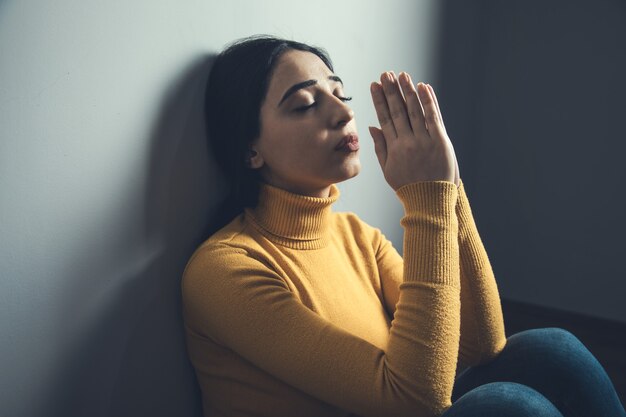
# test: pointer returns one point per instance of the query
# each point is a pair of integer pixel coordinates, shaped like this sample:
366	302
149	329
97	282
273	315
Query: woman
292	309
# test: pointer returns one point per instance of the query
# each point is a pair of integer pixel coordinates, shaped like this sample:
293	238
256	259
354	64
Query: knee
503	399
547	338
550	348
551	333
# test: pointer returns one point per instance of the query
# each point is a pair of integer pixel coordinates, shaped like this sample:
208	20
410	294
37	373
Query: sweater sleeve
482	323
235	298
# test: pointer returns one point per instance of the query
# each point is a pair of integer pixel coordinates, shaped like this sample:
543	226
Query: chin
351	170
356	171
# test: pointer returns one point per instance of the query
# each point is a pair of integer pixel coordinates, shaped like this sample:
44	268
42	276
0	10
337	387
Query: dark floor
606	339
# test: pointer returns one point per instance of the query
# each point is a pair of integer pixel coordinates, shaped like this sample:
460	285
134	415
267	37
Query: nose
341	113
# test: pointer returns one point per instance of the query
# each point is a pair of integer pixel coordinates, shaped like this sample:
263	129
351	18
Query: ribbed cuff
427	195
431	252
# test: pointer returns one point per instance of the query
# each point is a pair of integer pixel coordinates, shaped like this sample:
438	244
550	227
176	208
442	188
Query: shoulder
237	238
365	234
350	222
221	276
225	257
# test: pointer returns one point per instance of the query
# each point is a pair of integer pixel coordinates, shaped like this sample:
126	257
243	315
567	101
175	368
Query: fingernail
421	90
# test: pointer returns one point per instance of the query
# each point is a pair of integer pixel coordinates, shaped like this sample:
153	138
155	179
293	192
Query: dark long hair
236	88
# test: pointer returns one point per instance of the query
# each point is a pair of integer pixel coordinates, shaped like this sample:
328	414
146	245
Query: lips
350	142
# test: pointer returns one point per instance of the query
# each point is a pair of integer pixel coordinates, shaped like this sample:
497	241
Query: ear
254	160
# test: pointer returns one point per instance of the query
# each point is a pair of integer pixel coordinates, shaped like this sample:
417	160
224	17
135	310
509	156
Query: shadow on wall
133	359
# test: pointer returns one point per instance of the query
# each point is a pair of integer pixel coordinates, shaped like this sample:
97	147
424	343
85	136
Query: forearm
482	323
428	312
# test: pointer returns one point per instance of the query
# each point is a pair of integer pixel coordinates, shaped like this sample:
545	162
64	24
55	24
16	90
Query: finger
432	91
457	174
382	111
414	107
397	104
430	111
380	145
443	126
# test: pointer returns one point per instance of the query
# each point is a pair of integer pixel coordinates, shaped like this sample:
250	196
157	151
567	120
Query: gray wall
106	186
533	97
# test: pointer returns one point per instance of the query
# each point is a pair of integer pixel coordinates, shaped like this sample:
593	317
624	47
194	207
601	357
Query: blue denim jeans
540	373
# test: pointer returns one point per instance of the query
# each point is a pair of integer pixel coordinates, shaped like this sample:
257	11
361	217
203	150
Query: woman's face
296	148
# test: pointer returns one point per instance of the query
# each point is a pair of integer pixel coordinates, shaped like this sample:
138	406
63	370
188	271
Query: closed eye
310	106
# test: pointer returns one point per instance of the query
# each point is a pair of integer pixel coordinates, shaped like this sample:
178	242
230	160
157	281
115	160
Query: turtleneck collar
293	220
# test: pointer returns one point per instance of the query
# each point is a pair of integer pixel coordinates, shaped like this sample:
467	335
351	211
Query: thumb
380	145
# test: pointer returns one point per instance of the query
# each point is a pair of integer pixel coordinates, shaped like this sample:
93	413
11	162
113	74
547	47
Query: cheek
300	140
298	144
284	149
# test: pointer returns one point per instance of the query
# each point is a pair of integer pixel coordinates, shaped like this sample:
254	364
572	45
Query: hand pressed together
411	144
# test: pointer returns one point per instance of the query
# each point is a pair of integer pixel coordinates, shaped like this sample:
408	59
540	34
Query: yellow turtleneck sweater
295	310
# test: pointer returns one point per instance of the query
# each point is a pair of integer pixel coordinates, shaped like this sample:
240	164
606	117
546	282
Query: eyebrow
305	84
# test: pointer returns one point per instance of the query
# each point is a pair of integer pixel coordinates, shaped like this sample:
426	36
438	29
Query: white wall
105	186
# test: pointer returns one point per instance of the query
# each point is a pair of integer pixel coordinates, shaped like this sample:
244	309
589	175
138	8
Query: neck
292	219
